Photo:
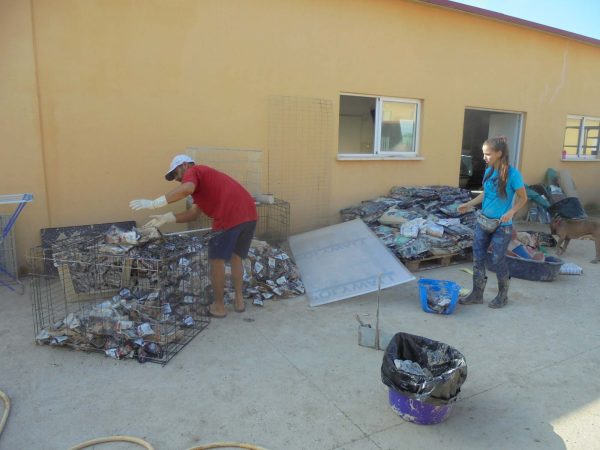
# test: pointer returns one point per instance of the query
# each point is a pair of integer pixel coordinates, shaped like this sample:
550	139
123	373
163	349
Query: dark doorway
479	124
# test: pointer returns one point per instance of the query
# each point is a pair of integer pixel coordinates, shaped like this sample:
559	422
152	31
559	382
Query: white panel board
344	260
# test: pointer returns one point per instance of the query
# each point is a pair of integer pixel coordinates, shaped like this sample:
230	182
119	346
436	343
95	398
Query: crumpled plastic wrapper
270	274
132	324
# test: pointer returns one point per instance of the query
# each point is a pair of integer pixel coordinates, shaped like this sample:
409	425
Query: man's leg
237	275
237	268
217	277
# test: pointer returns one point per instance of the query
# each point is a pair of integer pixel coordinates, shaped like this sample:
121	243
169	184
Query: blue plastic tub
529	269
431	291
415	411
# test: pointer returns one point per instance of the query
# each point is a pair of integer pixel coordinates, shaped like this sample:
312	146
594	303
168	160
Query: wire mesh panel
300	157
243	165
273	223
128	301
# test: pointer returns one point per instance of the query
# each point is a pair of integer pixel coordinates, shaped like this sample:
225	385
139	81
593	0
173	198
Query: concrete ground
288	376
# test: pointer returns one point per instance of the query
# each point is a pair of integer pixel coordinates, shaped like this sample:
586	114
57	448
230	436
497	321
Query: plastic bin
529	269
436	293
416	411
425	396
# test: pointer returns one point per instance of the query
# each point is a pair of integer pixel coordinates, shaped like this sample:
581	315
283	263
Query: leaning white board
343	261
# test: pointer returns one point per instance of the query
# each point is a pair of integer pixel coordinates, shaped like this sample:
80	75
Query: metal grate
273	225
145	302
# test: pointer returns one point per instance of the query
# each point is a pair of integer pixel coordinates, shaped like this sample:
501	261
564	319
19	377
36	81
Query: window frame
580	140
377	153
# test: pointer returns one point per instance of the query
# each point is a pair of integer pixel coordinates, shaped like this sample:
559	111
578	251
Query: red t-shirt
220	197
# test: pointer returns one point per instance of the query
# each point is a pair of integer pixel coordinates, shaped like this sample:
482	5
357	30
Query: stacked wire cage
273	223
143	301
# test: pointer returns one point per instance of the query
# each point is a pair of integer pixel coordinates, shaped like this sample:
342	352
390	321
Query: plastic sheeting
344	260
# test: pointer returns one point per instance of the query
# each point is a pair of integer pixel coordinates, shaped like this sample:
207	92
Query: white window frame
377	152
580	156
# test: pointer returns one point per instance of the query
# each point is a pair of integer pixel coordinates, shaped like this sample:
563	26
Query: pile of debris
419	222
130	325
132	294
270	274
139	294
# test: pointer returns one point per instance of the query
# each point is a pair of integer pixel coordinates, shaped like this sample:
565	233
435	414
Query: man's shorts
234	240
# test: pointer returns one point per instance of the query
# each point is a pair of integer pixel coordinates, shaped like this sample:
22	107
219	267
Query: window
581	138
378	126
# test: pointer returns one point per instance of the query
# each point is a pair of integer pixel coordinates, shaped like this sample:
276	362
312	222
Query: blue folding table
7	251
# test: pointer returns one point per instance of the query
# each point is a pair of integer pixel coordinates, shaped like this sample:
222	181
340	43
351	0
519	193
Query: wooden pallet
433	262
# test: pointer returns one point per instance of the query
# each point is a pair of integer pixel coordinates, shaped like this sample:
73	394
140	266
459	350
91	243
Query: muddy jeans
498	240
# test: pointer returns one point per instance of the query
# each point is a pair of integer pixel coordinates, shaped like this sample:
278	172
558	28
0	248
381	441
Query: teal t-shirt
495	206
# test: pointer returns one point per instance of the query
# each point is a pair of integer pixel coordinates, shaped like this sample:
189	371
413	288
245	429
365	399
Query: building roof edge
510	19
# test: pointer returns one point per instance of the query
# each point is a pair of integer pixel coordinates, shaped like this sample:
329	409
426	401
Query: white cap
175	163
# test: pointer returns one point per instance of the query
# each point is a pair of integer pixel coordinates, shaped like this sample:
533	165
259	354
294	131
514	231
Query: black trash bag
444	369
569	208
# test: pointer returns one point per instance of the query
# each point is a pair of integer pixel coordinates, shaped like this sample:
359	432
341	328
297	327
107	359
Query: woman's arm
521	201
470	204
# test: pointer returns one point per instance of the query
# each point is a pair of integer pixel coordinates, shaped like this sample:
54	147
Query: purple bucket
415	411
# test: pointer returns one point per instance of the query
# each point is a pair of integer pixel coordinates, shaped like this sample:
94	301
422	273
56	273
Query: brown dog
567	229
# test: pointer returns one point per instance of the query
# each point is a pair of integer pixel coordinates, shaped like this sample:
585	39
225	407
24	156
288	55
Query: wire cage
9	276
127	301
273	223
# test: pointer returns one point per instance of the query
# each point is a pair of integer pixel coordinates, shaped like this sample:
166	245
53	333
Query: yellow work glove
160	220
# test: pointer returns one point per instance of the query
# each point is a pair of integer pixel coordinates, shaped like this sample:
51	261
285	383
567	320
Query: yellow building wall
21	156
124	85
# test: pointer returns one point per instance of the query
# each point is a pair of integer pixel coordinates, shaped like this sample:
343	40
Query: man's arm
188	215
181	191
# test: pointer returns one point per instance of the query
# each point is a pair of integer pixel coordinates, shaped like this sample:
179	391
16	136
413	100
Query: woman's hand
463	208
507	217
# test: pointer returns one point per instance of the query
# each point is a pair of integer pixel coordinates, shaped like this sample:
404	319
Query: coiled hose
130	439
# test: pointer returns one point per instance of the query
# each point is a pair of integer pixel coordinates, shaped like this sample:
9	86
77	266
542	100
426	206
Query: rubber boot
479	281
502	298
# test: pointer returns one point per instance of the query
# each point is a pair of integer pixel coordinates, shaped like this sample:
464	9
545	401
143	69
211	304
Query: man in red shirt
234	214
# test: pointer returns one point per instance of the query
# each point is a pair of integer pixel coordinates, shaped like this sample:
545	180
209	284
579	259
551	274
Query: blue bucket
437	289
415	411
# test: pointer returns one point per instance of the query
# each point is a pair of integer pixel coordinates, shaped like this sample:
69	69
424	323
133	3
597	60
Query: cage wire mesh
9	271
145	302
300	155
245	166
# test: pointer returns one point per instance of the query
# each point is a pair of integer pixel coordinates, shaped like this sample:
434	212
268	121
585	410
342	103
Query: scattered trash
438	296
411	367
419	222
270	274
571	269
140	294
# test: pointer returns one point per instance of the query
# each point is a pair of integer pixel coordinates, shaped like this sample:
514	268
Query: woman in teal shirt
501	183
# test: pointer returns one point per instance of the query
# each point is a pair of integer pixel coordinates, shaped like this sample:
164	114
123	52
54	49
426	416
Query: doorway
480	124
